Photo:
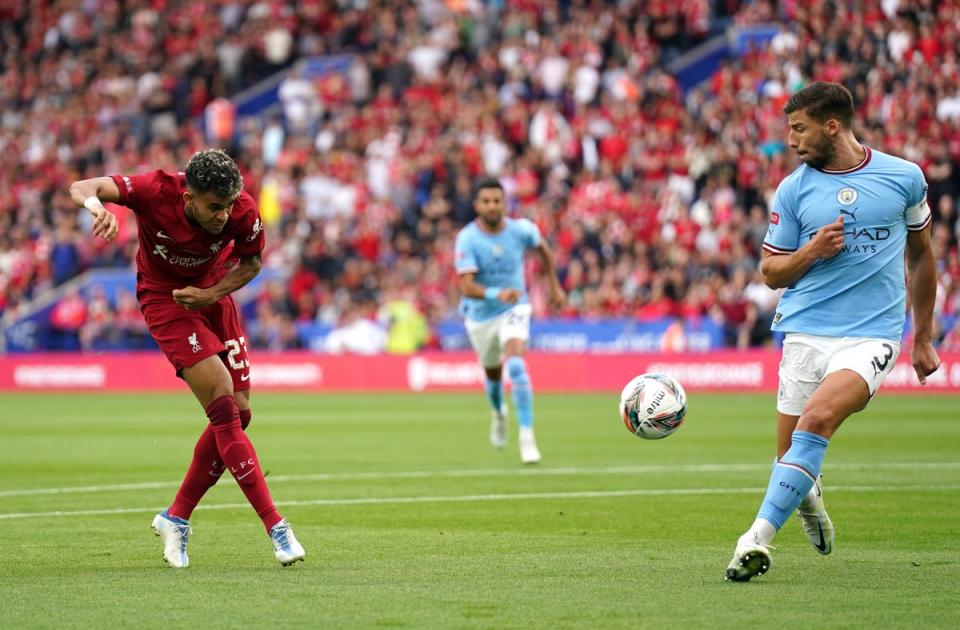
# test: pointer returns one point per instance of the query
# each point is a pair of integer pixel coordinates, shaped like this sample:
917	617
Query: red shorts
188	337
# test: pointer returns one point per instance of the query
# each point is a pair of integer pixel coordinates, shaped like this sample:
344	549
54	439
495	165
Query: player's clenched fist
509	296
924	359
828	241
192	298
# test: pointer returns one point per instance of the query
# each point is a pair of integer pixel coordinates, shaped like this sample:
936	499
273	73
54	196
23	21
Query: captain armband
919	216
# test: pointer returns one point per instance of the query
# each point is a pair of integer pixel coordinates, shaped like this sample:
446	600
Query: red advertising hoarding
551	372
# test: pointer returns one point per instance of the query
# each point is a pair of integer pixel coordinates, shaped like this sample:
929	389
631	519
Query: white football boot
285	545
816	522
175	533
498	427
750	559
529	453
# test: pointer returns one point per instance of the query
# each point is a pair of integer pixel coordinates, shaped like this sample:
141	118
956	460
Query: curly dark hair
212	170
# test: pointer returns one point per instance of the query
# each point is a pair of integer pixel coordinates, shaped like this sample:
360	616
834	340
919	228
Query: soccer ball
652	406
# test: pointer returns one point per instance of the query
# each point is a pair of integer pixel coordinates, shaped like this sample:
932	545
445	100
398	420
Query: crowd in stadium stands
655	200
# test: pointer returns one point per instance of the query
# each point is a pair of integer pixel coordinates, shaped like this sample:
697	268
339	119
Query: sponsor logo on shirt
850	213
182	261
775	218
189	261
864	240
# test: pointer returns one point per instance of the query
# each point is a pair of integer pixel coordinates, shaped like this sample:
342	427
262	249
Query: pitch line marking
589	494
486	472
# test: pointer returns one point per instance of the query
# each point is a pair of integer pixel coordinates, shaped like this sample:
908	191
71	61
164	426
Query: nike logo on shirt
160	234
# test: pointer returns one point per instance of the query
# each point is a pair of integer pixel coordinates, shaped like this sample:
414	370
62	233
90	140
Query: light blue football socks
793	476
522	391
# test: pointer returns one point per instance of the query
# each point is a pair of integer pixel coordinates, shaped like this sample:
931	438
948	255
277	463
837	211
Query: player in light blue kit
838	228
489	260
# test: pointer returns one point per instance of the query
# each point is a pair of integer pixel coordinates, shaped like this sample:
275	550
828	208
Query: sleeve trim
917	227
773	249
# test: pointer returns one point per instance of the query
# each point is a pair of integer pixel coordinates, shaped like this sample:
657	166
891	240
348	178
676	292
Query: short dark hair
823	101
214	171
487	182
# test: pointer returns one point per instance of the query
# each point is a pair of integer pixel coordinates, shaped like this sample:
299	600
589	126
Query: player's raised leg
840	394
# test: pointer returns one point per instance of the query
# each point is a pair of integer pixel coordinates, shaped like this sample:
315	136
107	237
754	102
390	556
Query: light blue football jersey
860	292
497	259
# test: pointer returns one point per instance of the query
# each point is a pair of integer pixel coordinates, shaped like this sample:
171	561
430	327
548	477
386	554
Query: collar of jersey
864	162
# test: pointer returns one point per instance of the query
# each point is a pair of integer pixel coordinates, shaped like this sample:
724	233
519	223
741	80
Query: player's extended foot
529	453
816	522
750	559
285	545
498	427
174	532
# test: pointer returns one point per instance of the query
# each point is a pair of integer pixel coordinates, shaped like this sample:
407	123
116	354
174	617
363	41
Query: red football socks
204	471
235	449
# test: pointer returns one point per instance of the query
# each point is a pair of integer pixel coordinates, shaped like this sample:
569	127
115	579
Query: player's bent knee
245	417
222	410
517	369
820	419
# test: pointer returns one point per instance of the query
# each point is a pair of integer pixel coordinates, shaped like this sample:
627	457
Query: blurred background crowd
654	197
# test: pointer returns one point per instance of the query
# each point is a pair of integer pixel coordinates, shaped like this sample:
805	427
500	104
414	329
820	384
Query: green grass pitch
411	520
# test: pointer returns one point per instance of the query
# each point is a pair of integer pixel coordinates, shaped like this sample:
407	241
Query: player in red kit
192	226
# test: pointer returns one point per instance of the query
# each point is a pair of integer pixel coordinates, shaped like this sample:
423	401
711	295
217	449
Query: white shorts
807	359
489	336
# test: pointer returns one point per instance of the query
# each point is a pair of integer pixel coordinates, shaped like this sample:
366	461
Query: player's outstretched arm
89	193
782	270
922	284
557	295
193	298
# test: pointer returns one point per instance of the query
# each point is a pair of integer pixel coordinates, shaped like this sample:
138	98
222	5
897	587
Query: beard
821	154
491	223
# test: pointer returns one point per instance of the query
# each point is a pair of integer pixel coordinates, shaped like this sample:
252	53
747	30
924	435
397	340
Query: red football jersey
174	253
